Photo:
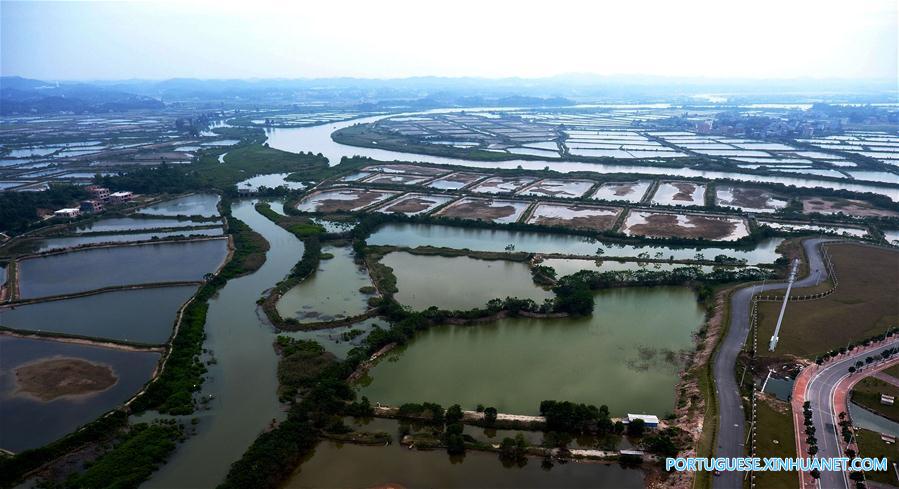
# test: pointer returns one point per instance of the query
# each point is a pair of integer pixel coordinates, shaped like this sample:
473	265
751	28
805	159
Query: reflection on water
356	467
96	268
626	355
242	379
141	316
413	235
459	283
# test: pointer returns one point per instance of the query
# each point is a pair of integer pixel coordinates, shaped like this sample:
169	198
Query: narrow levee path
731	419
242	378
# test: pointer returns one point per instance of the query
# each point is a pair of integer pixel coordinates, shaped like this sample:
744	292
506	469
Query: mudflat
63	376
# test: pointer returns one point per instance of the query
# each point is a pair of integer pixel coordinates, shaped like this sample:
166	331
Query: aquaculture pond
96	268
626	355
138	316
350	466
51	244
50	388
459	283
479	239
241	381
191	205
317	139
116	224
332	292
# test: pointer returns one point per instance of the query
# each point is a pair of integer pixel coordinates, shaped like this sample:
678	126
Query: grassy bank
864	304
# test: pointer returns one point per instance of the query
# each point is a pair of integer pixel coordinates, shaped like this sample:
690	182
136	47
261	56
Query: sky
759	39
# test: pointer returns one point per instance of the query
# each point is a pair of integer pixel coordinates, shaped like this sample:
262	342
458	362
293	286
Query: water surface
360	467
96	268
459	283
332	292
482	239
27	422
191	205
625	356
242	380
141	316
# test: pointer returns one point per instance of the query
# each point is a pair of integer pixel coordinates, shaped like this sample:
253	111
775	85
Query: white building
649	420
72	212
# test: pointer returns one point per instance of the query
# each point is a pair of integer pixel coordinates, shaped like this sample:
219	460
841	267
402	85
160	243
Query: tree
490	415
636	428
455	442
453	414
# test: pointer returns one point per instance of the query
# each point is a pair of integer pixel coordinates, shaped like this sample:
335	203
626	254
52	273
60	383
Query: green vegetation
19	210
302	362
99	431
132	460
867	393
301	227
576	418
864	304
775	438
870	444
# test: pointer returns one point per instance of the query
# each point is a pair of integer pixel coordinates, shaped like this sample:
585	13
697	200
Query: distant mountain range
27	96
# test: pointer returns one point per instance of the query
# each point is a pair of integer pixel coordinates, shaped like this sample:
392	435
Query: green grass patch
864	305
775	438
867	394
871	445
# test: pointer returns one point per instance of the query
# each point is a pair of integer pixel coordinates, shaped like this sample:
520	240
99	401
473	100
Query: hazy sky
385	39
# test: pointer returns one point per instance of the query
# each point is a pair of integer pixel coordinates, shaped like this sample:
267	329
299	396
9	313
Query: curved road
822	391
731	426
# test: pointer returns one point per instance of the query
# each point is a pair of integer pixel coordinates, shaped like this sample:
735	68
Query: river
242	379
317	139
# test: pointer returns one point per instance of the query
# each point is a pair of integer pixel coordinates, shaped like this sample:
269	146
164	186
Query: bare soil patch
684	191
362	198
61	377
666	225
465	178
851	207
597	222
478	209
753	198
412	204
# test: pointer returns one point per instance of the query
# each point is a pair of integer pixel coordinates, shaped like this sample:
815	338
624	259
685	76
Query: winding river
317	139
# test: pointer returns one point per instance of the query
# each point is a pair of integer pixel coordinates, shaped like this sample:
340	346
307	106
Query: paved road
731	429
827	391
